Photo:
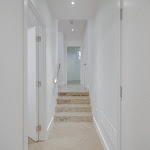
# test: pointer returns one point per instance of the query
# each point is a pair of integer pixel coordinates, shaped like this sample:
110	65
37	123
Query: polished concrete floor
70	136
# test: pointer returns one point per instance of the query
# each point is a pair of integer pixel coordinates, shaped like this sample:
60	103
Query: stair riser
73	94
73	119
73	109
63	101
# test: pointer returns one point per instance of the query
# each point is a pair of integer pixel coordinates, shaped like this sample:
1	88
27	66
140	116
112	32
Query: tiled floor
72	88
70	136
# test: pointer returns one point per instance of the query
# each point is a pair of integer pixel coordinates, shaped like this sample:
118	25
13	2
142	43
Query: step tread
74	114
73	97
73	93
72	105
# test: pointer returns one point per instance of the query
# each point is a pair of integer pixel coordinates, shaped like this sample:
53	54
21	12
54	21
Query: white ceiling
83	9
66	26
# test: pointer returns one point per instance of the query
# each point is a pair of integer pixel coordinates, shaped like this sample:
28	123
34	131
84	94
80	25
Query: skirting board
49	126
102	139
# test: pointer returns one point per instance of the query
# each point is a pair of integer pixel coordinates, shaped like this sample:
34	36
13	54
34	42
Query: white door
136	75
32	84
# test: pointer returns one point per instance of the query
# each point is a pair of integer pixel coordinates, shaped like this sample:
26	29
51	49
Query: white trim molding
104	143
50	124
108	144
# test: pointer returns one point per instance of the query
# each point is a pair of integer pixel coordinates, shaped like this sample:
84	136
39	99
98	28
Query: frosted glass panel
73	65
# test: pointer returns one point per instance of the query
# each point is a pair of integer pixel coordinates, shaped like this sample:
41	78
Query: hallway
70	135
74	74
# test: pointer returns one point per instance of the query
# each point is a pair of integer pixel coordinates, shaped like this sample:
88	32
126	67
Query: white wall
61	54
136	75
74	39
103	71
11	75
84	59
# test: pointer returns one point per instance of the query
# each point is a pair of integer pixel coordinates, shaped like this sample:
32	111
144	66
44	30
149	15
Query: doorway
35	80
73	65
35	76
33	88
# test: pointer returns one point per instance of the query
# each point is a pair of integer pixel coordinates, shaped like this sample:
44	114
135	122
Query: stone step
73	100
73	93
73	108
73	117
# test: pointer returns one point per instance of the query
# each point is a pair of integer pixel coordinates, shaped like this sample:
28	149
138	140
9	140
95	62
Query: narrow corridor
70	136
76	132
49	49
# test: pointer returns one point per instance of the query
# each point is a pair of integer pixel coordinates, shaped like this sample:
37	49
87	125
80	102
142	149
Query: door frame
42	102
35	59
81	70
119	82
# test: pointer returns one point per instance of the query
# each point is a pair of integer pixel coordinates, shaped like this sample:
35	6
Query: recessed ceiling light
72	30
72	3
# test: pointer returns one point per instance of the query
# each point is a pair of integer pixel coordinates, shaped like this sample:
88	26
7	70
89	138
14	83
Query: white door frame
81	69
42	101
33	77
119	82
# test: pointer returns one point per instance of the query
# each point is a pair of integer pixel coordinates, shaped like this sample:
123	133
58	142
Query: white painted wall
74	39
103	71
84	59
11	75
61	54
136	75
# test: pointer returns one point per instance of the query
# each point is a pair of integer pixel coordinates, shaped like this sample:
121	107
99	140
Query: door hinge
38	38
38	128
121	14
121	92
39	83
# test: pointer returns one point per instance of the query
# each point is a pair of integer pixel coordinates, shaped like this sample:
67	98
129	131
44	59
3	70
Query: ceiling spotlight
72	3
72	30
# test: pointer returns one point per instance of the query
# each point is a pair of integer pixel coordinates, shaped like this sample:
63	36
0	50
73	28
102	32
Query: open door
32	84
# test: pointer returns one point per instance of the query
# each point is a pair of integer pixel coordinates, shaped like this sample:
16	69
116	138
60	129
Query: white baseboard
105	146
49	126
87	87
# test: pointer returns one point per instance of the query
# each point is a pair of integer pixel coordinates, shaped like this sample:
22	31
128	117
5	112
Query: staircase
73	107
